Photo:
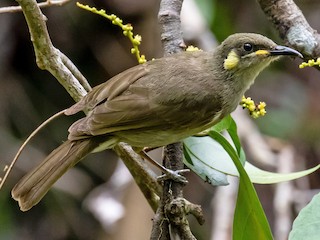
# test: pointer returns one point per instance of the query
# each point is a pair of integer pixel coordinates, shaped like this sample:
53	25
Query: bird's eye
247	47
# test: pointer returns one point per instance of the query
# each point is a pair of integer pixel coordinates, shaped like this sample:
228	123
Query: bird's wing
143	98
131	111
122	112
108	90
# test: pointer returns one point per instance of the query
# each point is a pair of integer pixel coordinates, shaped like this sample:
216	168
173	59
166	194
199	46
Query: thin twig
75	72
48	3
47	56
42	125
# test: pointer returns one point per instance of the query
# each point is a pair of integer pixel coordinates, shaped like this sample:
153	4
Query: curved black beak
282	50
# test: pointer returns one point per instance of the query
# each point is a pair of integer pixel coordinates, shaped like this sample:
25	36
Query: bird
156	103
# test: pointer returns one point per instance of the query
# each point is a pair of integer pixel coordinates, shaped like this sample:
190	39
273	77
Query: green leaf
213	157
307	225
250	222
264	177
210	153
223	124
233	132
202	169
187	159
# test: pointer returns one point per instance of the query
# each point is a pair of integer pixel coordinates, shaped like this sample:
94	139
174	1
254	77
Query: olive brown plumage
155	104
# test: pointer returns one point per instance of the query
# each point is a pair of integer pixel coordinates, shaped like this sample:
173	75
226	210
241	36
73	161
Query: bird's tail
35	184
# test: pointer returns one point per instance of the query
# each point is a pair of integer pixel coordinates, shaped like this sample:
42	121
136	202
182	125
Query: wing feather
143	99
108	90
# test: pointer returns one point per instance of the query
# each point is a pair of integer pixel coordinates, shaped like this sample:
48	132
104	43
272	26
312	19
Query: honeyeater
154	104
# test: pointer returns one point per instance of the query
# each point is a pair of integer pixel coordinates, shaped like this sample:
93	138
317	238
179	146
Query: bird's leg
168	173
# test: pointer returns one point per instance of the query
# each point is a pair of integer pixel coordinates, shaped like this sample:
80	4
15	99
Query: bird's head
249	53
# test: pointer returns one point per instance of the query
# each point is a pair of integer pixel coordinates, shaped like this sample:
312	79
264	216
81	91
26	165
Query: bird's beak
282	50
279	51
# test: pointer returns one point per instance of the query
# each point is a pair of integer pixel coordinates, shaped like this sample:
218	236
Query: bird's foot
168	174
174	175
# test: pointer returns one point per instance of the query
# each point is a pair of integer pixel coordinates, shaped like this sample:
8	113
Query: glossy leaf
224	124
264	177
250	222
233	132
211	154
203	169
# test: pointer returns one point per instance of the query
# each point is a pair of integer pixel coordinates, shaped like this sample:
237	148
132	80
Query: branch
165	224
143	176
292	26
177	211
47	56
48	3
171	190
171	32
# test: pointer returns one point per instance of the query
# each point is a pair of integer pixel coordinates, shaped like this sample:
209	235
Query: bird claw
174	175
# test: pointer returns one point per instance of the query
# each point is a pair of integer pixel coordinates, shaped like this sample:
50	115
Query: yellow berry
127	27
263	112
118	20
138	38
262	105
192	49
255	114
252	108
142	59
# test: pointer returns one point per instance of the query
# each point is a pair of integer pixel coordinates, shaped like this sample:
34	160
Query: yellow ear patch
231	61
262	52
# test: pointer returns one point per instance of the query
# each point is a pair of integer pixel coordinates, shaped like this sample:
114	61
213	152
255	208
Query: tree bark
292	26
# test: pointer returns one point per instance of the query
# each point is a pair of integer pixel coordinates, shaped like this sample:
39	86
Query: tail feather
33	186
